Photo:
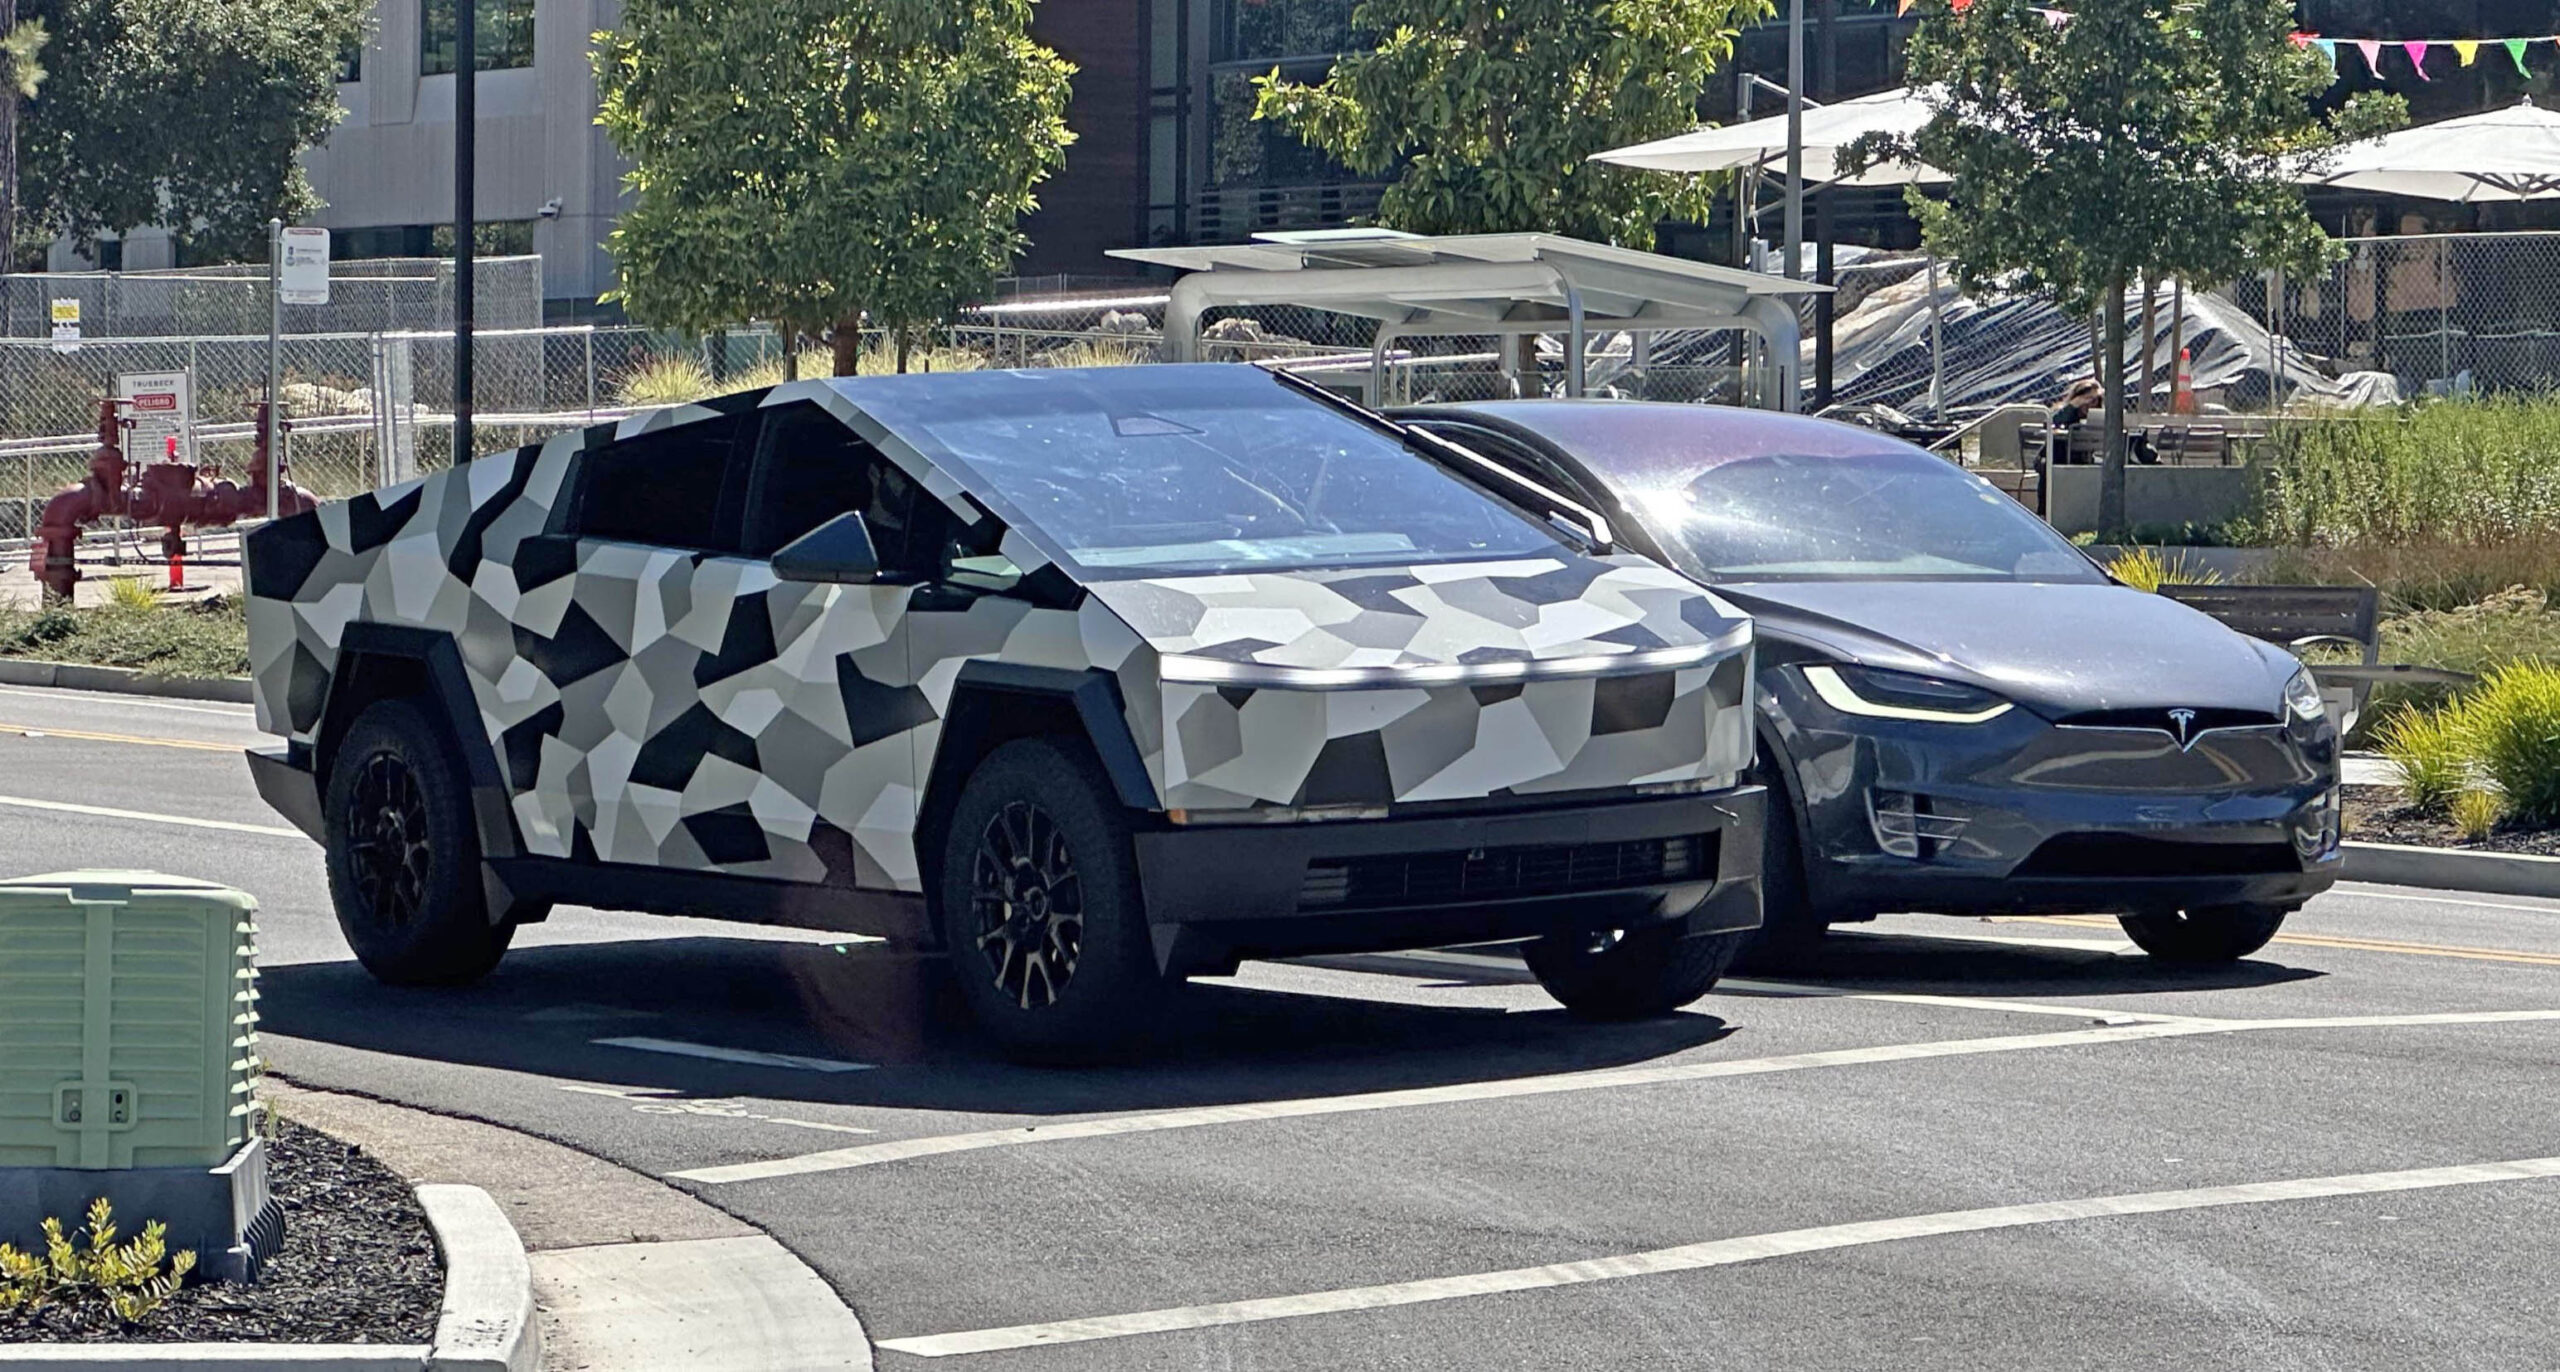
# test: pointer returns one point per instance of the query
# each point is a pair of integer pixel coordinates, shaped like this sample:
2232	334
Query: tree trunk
790	354
2150	342
2111	375
848	344
8	152
906	341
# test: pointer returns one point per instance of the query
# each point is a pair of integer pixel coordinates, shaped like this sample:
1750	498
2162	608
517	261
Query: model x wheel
2207	934
1631	974
1041	909
404	861
1791	931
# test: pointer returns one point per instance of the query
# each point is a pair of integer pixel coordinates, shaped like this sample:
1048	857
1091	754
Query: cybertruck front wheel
2207	934
1041	910
1631	974
403	856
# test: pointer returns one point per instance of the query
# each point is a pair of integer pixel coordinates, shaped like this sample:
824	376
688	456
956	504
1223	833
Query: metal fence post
275	357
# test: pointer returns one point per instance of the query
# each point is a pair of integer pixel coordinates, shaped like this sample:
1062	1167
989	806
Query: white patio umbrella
1827	131
2508	154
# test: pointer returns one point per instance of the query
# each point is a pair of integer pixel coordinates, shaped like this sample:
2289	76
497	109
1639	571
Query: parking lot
2012	1144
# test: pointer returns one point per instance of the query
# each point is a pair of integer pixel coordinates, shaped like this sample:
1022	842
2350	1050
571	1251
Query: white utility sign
66	326
161	405
306	266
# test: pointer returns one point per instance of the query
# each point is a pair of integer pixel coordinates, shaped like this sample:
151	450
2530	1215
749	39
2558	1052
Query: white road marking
2368	893
1754	986
2116	947
122	702
652	1100
1715	1253
748	1056
900	1150
145	816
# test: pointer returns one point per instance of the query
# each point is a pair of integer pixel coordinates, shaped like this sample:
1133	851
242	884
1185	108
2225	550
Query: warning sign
66	325
162	406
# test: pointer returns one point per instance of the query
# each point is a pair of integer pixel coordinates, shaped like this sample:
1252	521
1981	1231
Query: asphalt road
1958	1144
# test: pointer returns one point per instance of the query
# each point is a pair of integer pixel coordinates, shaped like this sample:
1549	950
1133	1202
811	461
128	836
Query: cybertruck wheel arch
382	661
993	703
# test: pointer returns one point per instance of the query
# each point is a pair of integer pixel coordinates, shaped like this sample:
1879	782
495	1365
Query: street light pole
1795	139
466	159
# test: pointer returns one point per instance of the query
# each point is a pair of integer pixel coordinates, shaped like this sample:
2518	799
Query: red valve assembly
175	496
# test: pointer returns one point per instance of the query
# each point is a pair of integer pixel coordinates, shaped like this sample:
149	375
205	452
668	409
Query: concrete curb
77	676
2453	869
487	1323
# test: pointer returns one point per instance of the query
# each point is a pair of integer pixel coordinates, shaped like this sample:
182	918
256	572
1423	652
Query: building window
1286	28
351	60
502	35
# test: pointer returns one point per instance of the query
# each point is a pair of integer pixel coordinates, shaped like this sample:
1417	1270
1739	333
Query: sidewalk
628	1273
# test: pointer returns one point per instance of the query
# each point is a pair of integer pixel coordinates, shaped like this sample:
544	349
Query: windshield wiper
1583	523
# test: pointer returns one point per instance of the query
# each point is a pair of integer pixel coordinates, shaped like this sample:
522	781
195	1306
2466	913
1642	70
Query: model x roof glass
1862	516
1170	470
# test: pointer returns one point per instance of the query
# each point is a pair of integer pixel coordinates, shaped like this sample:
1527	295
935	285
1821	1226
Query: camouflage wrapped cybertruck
1096	678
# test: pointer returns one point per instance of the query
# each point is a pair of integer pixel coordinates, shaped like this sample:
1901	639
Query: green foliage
2463	471
125	1278
1489	112
206	639
2513	724
2432	752
2149	569
678	380
664	381
21	68
2476	814
184	112
2159	136
813	162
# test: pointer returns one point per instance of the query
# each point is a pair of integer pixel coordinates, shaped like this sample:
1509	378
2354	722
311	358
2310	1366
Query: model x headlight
2302	696
1880	694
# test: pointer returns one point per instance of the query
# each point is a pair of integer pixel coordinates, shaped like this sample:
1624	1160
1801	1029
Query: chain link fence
364	295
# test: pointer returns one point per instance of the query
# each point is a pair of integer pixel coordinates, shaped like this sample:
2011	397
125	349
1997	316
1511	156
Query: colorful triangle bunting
2418	58
2467	49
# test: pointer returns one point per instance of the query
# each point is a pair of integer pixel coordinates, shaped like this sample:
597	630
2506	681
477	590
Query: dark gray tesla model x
1964	714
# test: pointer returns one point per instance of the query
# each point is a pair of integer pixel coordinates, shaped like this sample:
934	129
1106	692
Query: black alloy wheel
387	832
1029	901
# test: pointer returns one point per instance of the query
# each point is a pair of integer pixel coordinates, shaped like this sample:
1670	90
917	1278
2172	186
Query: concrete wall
391	161
2152	495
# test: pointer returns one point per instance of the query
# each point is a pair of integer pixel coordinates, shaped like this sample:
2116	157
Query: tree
813	162
190	113
2132	136
1489	112
21	76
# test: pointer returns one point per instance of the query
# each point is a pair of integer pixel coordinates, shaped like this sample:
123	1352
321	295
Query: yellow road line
88	736
2360	945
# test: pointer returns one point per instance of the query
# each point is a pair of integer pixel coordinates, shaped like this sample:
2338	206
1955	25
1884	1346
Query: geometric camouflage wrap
675	708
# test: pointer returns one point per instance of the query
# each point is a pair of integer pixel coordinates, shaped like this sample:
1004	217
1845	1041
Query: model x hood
2059	649
1436	622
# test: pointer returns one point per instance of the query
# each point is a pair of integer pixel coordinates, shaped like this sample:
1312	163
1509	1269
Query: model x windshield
1874	515
1151	470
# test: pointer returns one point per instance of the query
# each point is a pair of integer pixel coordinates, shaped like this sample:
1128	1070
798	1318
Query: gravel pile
357	1266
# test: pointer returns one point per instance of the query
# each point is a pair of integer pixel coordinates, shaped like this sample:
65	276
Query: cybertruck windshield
1866	516
1146	471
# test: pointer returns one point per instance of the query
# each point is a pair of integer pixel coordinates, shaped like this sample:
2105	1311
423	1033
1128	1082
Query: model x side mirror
837	551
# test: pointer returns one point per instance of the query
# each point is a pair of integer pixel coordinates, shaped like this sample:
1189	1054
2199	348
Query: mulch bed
357	1266
2377	814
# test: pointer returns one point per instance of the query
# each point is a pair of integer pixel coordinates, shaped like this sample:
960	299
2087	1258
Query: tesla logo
2185	720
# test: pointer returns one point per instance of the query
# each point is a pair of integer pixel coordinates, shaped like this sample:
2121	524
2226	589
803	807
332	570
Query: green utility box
128	1055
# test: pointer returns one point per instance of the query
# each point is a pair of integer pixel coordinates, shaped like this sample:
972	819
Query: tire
2209	934
403	855
1041	910
1791	931
1631	975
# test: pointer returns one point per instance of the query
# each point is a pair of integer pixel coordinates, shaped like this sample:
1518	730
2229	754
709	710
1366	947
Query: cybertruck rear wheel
403	856
2207	934
1041	910
1631	974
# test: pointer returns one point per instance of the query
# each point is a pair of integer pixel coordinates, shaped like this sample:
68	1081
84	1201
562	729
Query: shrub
2149	569
2463	471
664	381
126	1278
2475	814
2513	725
2432	751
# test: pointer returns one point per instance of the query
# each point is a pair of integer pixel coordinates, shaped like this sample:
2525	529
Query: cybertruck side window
810	468
676	488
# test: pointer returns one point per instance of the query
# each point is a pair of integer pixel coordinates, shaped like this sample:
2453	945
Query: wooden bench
2297	617
2193	444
